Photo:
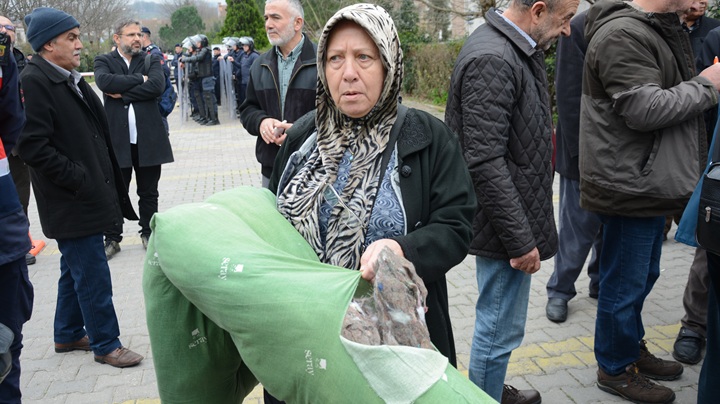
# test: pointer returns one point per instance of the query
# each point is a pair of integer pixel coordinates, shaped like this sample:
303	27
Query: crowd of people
637	90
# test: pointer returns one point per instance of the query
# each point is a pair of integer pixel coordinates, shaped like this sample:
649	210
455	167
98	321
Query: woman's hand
370	256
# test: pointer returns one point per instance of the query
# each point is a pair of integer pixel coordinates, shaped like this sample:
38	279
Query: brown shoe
635	387
120	358
83	344
511	395
653	367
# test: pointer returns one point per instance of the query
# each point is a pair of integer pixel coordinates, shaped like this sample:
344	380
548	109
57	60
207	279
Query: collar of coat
496	21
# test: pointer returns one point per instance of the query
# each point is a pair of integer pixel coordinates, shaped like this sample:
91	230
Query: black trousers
16	302
147	180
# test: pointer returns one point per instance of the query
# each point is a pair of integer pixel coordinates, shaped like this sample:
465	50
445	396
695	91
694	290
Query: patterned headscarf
365	138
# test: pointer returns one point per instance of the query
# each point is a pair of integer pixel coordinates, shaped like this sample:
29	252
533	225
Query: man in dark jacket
175	65
578	229
77	184
216	73
233	55
282	82
698	25
642	150
205	84
247	58
18	169
688	346
499	106
151	49
16	291
138	135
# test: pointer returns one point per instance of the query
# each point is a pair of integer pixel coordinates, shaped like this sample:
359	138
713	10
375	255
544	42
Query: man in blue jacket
16	291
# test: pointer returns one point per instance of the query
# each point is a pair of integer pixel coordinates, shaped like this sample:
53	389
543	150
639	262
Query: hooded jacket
642	136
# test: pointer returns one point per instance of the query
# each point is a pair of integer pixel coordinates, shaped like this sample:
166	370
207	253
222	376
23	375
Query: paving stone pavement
556	359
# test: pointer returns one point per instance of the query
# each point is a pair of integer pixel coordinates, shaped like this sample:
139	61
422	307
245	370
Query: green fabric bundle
235	295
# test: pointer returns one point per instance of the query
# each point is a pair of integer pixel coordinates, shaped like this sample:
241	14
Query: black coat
66	143
263	97
697	37
568	85
112	76
499	106
438	201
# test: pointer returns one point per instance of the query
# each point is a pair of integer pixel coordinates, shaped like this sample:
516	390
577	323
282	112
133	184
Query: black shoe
511	395
145	238
212	123
30	259
594	290
688	346
556	310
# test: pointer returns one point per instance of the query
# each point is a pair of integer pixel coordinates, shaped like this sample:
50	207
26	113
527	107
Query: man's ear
537	10
298	24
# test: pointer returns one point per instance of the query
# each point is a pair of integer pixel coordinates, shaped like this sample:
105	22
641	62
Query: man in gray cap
78	185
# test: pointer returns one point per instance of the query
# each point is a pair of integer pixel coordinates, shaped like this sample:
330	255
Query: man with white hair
281	87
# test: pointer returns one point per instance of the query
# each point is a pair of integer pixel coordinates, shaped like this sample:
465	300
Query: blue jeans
709	381
629	267
578	233
500	316
84	300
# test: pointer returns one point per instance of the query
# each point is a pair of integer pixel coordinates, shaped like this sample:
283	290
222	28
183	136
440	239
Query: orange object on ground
37	246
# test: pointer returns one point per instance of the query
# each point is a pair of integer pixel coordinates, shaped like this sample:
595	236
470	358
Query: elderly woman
362	172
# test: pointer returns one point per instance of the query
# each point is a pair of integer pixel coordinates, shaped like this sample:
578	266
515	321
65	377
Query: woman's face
353	70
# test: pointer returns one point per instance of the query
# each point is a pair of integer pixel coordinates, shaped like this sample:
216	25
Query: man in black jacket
499	106
18	169
16	291
78	185
205	85
138	134
282	82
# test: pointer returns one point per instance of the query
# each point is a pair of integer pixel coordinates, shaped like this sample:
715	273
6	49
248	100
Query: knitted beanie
45	23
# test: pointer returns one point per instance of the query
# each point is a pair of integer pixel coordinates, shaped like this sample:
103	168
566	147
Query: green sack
233	268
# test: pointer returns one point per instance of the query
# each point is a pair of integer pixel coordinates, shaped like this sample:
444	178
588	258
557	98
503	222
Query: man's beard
285	36
543	41
129	50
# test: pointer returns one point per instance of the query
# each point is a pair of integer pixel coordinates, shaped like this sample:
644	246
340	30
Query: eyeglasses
8	27
137	34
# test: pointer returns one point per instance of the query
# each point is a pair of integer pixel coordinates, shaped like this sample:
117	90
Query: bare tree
96	17
469	10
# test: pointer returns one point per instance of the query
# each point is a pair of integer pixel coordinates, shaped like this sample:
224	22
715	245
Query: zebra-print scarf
365	138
